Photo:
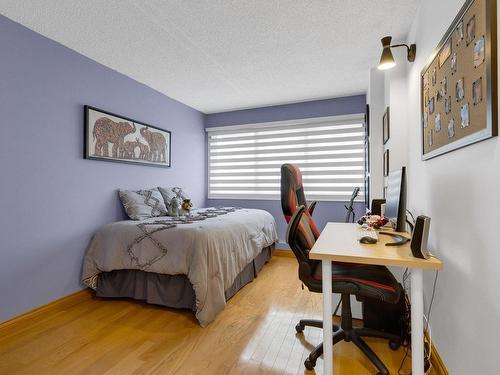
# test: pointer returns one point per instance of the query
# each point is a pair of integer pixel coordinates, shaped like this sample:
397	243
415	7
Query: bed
196	263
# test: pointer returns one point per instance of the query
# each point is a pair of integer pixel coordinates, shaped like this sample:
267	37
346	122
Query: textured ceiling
219	55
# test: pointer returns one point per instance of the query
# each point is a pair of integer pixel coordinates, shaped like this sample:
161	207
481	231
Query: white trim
306	121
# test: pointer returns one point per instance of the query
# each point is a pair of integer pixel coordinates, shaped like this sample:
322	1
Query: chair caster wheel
309	364
394	344
299	328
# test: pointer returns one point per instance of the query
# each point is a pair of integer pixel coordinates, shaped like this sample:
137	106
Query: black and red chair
362	281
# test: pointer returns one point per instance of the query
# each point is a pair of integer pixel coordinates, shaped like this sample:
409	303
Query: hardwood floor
255	334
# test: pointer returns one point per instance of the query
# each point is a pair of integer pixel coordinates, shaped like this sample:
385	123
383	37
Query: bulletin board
458	87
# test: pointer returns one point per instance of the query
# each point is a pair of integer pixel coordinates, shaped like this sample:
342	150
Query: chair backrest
292	192
302	232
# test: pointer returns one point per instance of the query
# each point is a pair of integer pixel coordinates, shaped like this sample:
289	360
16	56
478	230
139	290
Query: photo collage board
455	85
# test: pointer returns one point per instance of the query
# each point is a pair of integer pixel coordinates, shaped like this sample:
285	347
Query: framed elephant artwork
116	138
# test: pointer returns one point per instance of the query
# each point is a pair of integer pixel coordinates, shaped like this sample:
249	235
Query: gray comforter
211	252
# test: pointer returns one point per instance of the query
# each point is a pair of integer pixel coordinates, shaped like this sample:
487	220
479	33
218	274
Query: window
244	160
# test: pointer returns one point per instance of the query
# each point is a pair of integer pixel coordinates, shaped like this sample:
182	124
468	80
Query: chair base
350	334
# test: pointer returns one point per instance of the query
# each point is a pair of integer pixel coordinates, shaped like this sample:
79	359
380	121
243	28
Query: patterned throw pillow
143	204
172	196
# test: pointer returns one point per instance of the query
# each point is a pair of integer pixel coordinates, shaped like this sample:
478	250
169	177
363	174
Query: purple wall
325	211
52	200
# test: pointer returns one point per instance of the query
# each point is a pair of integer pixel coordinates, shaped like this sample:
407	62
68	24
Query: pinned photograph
479	52
442	87
471	30
425	119
433	77
454	63
429	138
445	53
477	91
447	105
459	33
431	106
426	97
464	114
425	79
459	90
451	128
437	122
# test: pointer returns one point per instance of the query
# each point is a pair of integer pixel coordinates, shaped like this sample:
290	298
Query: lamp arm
410	50
401	45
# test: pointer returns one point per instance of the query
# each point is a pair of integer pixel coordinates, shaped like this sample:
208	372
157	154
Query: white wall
376	99
459	191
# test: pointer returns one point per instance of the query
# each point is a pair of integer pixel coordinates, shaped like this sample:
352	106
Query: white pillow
143	204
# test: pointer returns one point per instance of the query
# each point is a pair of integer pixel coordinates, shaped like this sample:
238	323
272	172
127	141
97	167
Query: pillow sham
143	204
170	196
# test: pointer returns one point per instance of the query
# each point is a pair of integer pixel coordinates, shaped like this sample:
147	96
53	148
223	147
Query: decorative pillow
143	204
173	197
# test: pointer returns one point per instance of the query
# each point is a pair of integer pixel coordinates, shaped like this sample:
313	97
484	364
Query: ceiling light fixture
387	59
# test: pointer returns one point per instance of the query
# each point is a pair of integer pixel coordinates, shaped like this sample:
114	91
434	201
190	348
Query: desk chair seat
362	281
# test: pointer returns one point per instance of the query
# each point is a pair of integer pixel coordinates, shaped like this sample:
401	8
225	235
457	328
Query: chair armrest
312	206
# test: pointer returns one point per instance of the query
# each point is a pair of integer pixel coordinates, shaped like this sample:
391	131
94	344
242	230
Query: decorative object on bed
469	77
143	204
211	252
116	138
173	198
186	207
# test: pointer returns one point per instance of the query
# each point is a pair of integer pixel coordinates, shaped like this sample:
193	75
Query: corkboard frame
491	126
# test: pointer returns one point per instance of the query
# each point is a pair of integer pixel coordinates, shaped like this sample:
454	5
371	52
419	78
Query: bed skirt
174	291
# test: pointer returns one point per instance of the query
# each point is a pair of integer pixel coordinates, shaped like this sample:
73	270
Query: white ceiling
220	55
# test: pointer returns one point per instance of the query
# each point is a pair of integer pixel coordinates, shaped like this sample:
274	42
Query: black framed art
116	138
386	163
386	125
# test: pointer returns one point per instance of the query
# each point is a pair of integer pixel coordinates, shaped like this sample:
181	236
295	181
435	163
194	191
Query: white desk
338	242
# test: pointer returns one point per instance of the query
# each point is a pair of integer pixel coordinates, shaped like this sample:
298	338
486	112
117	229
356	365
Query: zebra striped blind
244	160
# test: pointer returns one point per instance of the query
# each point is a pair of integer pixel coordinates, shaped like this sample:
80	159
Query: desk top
339	242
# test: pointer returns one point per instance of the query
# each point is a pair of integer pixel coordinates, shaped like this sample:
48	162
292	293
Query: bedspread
210	252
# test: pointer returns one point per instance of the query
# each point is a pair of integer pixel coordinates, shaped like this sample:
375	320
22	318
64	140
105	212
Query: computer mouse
368	240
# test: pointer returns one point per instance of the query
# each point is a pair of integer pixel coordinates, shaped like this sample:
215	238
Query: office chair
362	281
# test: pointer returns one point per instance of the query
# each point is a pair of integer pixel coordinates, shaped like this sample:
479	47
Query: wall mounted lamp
387	59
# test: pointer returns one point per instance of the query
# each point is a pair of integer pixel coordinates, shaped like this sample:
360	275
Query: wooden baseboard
436	361
61	303
283	253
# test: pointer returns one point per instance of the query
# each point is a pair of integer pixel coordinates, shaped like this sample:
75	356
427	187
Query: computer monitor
395	205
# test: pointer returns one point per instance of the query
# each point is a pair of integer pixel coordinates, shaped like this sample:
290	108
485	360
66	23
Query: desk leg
327	316
417	323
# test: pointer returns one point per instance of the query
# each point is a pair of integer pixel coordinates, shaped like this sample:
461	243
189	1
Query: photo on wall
386	125
386	163
116	138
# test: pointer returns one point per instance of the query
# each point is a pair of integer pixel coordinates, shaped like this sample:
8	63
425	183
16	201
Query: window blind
244	161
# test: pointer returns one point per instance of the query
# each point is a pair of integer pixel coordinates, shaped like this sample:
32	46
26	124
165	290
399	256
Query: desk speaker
420	236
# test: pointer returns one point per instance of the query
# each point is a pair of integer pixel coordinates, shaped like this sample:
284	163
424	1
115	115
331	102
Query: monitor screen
395	205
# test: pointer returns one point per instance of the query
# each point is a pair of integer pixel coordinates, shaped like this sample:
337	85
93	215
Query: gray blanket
210	252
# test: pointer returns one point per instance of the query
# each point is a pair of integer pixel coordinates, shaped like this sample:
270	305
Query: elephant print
157	145
129	148
108	131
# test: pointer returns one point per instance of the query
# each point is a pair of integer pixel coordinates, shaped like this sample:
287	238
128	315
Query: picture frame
386	125
386	163
112	137
471	81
